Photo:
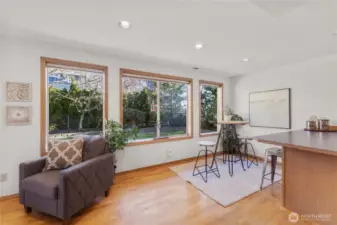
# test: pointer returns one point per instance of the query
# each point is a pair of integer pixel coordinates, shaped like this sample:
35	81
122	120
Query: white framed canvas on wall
270	108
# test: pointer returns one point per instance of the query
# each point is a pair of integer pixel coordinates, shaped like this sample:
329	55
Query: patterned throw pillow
64	153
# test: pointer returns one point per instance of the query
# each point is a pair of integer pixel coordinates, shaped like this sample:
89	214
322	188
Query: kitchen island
309	173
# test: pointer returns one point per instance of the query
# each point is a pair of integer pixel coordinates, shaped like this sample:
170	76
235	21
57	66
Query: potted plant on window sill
117	137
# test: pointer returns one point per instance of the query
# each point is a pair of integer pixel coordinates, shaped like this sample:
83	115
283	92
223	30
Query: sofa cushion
93	146
45	184
64	153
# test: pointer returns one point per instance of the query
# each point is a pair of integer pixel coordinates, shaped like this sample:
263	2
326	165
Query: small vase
227	118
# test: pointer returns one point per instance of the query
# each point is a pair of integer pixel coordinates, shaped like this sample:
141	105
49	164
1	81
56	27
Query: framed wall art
18	92
270	109
18	115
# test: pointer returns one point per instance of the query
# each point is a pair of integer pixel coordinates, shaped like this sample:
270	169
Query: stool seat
206	143
274	151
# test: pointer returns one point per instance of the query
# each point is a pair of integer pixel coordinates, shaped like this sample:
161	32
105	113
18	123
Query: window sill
159	141
209	134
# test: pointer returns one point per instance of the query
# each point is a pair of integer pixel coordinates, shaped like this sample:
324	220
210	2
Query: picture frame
18	92
18	115
270	109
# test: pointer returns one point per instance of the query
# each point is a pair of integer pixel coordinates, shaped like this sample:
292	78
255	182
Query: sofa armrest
27	169
82	183
30	168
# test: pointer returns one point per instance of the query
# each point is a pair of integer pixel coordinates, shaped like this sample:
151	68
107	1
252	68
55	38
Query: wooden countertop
318	142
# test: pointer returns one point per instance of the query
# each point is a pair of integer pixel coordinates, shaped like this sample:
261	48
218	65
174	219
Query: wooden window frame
43	94
221	87
189	124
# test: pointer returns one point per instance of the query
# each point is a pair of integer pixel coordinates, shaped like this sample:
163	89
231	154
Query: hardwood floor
157	196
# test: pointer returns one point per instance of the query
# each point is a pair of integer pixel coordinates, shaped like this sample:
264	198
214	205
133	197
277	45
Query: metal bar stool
273	153
245	145
208	169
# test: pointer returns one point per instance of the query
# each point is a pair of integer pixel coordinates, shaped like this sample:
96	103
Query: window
73	99
211	107
159	106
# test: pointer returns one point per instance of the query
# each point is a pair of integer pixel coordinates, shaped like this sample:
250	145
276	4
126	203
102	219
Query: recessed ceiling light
245	60
195	68
124	24
199	46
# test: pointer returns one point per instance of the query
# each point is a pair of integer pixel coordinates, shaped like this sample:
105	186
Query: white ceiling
271	33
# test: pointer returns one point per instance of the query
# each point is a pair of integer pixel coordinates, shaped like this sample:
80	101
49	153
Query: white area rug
227	190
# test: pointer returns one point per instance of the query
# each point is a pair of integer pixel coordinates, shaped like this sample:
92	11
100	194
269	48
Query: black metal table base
228	154
231	159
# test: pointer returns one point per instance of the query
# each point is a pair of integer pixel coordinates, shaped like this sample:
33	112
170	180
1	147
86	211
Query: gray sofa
62	193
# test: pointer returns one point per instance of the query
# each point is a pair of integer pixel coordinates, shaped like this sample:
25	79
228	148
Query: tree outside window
75	102
210	106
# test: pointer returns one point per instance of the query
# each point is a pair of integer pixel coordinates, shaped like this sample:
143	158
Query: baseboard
168	164
9	197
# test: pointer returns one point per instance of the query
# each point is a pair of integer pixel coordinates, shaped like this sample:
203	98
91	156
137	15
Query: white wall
313	92
20	61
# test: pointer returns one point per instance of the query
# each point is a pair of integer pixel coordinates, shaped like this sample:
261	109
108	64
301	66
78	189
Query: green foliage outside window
137	109
208	108
75	109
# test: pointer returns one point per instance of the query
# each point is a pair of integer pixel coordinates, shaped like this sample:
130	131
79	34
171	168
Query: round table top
206	143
